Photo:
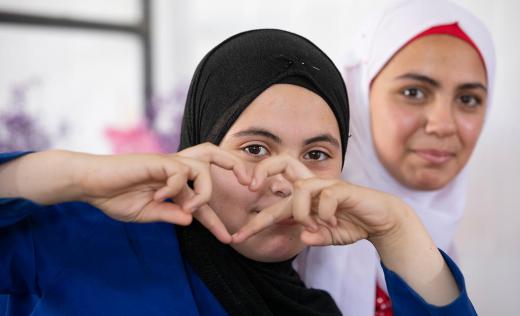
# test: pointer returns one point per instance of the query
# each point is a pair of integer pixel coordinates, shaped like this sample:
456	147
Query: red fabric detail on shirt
383	303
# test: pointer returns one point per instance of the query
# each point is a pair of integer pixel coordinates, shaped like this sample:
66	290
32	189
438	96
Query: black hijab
226	81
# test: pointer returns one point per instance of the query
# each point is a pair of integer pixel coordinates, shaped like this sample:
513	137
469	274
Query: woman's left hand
333	212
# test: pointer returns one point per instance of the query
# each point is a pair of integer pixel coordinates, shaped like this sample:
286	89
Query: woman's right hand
153	187
130	187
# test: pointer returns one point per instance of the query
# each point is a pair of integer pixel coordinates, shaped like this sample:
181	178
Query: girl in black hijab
263	143
225	83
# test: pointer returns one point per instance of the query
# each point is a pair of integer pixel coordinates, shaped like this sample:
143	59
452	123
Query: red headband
449	29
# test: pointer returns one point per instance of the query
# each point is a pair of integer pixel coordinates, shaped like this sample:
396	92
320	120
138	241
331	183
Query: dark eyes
316	155
418	95
256	150
259	151
470	101
413	93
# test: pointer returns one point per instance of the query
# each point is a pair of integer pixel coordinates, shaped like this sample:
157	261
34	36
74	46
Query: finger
305	194
328	204
184	197
165	212
207	217
267	217
301	205
202	185
228	161
320	237
215	155
174	185
291	168
323	236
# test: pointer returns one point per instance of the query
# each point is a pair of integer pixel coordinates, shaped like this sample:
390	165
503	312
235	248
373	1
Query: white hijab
349	273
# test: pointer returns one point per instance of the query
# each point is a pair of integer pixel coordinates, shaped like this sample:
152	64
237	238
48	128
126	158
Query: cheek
469	127
330	171
393	125
230	200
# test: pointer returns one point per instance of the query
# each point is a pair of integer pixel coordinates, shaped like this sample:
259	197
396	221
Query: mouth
286	222
435	157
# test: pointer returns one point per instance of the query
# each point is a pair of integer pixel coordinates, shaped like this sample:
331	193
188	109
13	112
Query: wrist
408	250
64	169
402	235
77	171
393	230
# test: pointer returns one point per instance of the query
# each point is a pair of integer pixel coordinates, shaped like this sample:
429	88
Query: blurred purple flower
20	129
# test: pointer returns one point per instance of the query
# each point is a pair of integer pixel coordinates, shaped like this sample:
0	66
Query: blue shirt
71	259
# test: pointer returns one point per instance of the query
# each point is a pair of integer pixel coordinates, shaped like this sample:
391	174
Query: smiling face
283	120
427	108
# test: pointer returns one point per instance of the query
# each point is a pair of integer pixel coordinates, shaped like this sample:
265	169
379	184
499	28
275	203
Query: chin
430	181
271	246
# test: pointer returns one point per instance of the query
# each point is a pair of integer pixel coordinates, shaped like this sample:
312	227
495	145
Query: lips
435	157
287	222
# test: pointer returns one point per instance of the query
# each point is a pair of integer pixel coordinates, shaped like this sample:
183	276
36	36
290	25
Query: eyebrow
322	138
259	132
435	83
472	85
265	133
419	77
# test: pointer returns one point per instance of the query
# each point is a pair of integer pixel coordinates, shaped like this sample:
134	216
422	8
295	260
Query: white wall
186	30
85	80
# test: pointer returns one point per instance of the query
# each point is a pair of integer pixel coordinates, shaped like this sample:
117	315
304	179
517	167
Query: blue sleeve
405	301
17	259
17	251
6	157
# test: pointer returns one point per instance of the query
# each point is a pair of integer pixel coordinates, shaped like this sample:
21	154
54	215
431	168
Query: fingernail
246	177
189	209
236	236
313	227
253	183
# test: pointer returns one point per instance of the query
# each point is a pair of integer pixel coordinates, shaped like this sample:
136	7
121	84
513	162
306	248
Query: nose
440	119
280	186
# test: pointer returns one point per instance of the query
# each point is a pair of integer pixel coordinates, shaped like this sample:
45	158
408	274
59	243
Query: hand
288	166
333	212
208	153
134	187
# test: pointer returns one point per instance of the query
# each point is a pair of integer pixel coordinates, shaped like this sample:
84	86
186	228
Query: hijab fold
226	81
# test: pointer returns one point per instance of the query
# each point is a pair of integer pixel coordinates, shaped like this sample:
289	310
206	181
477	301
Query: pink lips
287	222
436	157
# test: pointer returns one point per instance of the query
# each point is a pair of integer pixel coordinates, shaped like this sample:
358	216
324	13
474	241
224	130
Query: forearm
45	177
411	253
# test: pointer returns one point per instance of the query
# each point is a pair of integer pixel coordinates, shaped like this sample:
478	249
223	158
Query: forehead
289	110
439	55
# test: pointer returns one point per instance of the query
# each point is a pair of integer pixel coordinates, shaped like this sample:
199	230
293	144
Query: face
427	109
283	120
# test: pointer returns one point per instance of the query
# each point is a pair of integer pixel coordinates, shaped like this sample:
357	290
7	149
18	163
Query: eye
413	93
316	155
255	150
470	101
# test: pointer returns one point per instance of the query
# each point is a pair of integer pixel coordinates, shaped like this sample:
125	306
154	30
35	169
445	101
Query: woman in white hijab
420	79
